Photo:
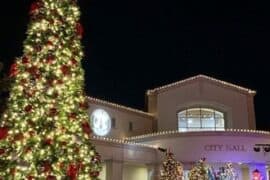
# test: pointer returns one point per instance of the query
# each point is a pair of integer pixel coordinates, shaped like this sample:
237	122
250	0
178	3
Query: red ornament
50	59
96	158
38	48
18	137
50	82
72	171
23	81
28	108
84	105
29	92
94	174
34	71
79	29
25	60
80	166
50	177
52	111
30	178
73	61
46	167
13	70
35	7
76	150
72	115
48	141
55	94
51	21
31	133
86	128
65	70
50	44
12	171
2	151
60	81
28	149
63	143
3	132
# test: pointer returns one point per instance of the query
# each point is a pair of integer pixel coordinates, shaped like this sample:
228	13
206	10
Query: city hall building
194	118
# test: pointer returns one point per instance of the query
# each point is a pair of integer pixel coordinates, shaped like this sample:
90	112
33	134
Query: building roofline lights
200	76
120	107
175	132
122	141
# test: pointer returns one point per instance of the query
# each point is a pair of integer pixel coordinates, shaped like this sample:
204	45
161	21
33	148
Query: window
130	126
113	123
200	119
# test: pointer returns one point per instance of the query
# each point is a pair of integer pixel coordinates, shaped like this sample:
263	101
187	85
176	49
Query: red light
256	175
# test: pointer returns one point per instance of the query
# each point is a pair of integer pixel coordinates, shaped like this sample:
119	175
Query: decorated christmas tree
44	133
200	171
171	169
227	173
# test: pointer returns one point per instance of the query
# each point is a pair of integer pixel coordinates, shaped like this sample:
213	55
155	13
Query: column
153	171
114	170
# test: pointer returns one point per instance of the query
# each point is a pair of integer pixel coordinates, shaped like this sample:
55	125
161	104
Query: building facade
194	118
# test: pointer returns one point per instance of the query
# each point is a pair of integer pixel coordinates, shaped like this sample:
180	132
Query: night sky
132	46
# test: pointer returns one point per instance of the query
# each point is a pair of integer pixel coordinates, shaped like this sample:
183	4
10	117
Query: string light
121	107
223	83
122	141
176	132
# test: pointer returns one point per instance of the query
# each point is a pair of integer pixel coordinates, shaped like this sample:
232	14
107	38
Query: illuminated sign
225	147
100	122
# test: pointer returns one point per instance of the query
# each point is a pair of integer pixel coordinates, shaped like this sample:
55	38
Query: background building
196	117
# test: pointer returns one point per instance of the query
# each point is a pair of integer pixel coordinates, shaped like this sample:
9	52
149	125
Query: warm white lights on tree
45	131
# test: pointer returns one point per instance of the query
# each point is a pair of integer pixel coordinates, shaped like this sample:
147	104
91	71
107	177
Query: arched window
200	119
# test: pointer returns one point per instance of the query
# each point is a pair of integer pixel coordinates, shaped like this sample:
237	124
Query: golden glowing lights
43	110
223	83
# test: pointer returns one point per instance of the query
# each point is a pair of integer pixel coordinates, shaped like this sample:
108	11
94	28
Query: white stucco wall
142	124
234	147
135	172
203	93
117	156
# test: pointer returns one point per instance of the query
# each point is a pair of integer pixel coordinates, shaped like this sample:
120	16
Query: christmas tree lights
171	169
199	171
44	133
227	173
